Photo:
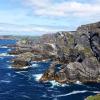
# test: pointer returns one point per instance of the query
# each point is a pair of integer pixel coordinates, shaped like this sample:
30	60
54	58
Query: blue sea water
24	85
7	42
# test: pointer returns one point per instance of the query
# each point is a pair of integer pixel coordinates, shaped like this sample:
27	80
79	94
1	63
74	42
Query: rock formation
22	61
78	54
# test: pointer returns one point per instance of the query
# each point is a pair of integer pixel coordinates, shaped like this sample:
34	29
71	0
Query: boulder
20	64
22	61
49	73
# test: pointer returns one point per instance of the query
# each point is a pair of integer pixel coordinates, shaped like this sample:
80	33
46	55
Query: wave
5	54
25	67
54	83
9	67
3	47
76	92
26	97
34	65
97	92
37	76
71	93
5	81
7	92
78	82
9	50
21	71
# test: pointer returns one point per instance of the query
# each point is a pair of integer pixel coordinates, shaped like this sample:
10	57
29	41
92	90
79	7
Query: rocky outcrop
49	73
22	61
89	36
79	55
87	71
20	64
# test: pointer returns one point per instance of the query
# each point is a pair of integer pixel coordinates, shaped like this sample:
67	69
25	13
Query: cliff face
89	36
79	55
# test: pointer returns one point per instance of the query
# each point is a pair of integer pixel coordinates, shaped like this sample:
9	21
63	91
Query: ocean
25	85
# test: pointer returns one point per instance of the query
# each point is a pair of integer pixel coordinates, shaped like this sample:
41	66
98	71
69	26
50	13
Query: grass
96	97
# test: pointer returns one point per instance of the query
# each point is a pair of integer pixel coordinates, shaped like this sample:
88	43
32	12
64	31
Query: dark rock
22	61
20	64
49	73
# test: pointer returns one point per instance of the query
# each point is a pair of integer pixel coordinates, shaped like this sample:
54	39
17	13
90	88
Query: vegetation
96	97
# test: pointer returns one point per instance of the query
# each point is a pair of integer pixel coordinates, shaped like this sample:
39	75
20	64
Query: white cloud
12	28
65	8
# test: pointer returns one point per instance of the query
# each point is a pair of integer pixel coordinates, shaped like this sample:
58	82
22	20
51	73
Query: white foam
78	82
25	96
54	83
9	67
3	54
25	67
76	92
71	93
6	54
5	81
97	92
34	65
37	76
44	60
9	50
22	68
3	47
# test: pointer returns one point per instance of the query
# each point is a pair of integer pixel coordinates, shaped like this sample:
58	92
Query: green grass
96	97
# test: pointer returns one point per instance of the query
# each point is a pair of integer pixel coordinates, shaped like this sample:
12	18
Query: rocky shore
77	53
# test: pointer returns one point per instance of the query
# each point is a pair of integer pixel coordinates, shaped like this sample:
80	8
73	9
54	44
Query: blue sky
36	17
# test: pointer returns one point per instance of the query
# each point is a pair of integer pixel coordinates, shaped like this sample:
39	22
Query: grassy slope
96	97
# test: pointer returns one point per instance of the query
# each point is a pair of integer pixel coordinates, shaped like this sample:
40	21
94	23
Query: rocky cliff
77	53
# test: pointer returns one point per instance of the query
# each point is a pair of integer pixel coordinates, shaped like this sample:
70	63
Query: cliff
79	55
77	52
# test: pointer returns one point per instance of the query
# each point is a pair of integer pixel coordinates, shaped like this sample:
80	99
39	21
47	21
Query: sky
37	17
